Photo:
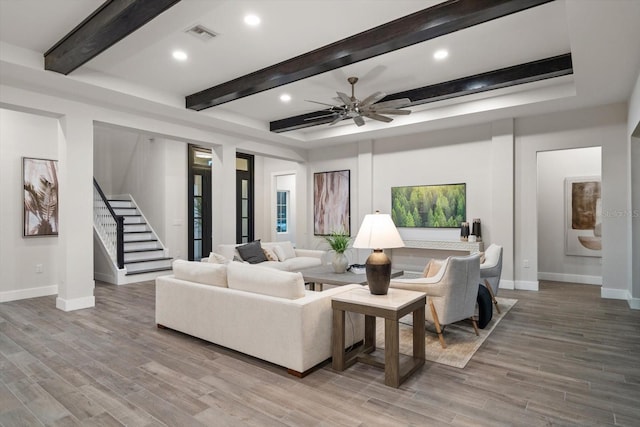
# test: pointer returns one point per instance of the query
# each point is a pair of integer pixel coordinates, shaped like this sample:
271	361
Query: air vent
201	33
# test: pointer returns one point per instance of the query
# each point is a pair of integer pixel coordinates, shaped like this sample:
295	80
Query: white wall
633	131
24	135
553	168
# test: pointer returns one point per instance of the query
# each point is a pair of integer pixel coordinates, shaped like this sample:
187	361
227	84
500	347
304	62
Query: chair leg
434	314
493	297
475	325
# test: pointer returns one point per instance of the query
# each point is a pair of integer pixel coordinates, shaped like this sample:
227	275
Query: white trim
19	294
523	285
76	303
506	284
634	303
615	293
571	278
103	277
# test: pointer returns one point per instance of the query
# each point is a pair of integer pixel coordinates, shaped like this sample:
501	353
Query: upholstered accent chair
451	292
491	270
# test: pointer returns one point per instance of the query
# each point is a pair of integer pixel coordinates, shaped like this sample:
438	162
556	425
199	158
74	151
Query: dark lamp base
378	268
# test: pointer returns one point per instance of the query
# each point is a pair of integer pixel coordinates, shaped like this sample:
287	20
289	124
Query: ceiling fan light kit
353	108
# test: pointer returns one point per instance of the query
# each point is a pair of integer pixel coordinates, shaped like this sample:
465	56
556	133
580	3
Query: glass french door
244	198
199	205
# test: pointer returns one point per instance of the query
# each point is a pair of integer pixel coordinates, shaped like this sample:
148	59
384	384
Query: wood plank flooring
562	356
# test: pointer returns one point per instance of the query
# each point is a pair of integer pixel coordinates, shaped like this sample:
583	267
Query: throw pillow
433	267
279	253
288	249
215	258
252	252
271	256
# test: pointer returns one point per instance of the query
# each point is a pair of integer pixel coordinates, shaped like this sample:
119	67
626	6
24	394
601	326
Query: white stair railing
106	224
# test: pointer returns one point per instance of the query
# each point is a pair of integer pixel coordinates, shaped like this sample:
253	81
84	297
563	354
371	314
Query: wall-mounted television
429	206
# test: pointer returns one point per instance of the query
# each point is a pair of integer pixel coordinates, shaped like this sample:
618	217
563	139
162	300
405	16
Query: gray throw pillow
252	252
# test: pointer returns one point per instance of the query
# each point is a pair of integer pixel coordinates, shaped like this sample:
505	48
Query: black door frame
206	213
249	177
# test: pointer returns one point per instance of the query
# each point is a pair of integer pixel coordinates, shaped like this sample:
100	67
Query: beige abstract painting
331	202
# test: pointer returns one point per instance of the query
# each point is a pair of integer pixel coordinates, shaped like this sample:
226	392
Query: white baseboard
103	277
615	293
76	303
571	278
634	303
506	284
19	294
524	285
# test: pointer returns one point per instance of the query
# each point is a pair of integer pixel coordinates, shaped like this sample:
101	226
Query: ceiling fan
357	110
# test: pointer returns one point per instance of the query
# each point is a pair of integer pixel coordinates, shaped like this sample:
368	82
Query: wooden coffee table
324	274
393	306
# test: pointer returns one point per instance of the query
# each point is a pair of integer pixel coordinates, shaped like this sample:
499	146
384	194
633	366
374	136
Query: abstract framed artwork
429	206
583	224
331	202
40	183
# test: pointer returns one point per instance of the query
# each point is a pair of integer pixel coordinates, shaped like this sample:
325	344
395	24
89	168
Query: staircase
127	248
143	252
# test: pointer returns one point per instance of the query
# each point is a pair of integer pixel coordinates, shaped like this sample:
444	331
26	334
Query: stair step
140	227
139	265
133	219
149	270
125	211
142	255
138	236
141	245
120	203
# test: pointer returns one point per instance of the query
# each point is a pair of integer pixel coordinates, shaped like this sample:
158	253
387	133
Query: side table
393	306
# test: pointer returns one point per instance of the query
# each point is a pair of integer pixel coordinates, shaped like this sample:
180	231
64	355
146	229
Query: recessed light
285	97
252	20
179	55
441	54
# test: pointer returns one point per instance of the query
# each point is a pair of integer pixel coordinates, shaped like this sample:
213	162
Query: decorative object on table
378	232
331	202
40	182
429	206
476	230
583	230
357	268
464	232
339	243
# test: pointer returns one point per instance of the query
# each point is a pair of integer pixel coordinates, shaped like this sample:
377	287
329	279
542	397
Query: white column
75	148
502	201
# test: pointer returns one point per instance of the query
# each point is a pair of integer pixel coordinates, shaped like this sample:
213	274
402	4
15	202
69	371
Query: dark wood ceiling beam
110	23
524	73
427	24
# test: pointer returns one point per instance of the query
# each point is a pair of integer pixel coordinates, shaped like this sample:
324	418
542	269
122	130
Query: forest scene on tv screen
429	206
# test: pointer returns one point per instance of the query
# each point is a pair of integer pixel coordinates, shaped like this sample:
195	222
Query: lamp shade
378	232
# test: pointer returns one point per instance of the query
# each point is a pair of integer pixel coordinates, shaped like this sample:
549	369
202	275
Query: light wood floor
561	356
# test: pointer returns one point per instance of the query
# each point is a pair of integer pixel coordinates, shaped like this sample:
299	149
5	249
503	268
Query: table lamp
378	232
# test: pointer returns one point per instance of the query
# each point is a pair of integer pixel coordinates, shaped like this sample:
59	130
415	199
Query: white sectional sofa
289	258
263	312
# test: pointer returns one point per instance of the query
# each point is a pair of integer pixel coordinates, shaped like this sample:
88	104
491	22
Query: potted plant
339	242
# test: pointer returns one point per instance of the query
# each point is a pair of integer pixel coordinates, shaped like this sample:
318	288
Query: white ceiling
602	35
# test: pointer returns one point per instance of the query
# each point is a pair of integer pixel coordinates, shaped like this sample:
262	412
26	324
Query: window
282	210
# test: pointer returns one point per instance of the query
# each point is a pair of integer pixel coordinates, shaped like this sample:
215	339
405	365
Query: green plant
339	241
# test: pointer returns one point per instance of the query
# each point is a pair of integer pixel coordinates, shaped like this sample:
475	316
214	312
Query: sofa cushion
201	272
252	252
266	281
300	262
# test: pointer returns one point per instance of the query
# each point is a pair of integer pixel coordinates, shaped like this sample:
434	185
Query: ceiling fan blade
378	117
338	118
391	111
344	98
394	103
323	103
373	98
359	120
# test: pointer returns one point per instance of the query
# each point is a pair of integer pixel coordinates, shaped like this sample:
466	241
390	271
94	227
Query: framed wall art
583	229
40	182
331	202
429	206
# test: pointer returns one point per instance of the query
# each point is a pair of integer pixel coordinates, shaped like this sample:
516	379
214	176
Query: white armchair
451	293
491	270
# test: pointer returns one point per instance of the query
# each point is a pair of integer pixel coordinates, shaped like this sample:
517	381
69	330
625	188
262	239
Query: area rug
462	342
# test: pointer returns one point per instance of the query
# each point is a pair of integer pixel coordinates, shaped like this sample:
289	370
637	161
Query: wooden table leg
418	333
369	334
338	340
392	353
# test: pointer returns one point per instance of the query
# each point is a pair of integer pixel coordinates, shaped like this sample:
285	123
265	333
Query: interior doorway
569	215
199	202
245	221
